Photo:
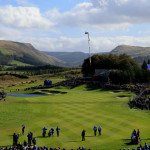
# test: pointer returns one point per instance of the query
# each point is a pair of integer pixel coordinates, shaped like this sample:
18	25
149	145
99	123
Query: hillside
72	59
138	53
16	53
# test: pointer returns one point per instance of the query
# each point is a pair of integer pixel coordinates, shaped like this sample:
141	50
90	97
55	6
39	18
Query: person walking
99	130
44	131
95	130
57	131
83	135
29	136
14	139
23	129
34	141
52	131
138	133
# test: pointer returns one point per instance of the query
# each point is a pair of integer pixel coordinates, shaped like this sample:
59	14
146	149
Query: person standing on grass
34	141
29	138
15	139
57	131
138	133
44	131
83	135
14	136
99	130
52	131
95	130
23	129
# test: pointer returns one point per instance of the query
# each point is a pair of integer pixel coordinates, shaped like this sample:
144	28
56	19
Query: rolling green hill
16	53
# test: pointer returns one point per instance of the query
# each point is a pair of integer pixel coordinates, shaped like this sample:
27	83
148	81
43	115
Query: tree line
123	69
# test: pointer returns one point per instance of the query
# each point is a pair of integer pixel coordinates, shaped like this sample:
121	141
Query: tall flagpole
89	46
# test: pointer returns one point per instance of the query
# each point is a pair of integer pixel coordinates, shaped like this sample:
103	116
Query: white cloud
27	24
104	13
63	43
23	17
6	32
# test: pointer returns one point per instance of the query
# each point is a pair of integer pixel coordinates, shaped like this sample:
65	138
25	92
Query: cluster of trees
22	76
123	69
37	70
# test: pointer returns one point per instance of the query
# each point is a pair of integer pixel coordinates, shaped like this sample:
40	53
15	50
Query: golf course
73	110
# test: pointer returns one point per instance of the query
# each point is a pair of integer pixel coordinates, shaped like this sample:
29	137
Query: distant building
102	72
103	75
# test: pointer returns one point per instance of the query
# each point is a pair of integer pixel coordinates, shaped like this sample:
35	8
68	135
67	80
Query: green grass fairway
79	109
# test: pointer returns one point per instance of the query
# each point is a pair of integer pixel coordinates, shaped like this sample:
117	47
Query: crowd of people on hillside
145	147
23	147
31	143
31	140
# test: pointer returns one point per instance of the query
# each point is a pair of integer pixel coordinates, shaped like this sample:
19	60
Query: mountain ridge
25	53
138	53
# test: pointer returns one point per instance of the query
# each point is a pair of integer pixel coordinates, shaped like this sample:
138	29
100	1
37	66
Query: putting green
79	109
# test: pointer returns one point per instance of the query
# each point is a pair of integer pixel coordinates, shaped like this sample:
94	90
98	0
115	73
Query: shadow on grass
127	142
90	136
146	139
46	137
39	137
10	135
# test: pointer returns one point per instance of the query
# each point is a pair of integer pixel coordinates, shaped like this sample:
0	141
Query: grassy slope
18	63
6	52
77	110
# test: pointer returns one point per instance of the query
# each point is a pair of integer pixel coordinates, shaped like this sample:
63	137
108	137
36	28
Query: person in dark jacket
83	135
95	130
57	131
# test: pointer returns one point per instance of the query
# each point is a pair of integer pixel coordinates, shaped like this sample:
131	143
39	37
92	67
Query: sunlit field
78	109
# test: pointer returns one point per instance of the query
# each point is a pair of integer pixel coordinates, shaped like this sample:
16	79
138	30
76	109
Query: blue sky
59	25
44	5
